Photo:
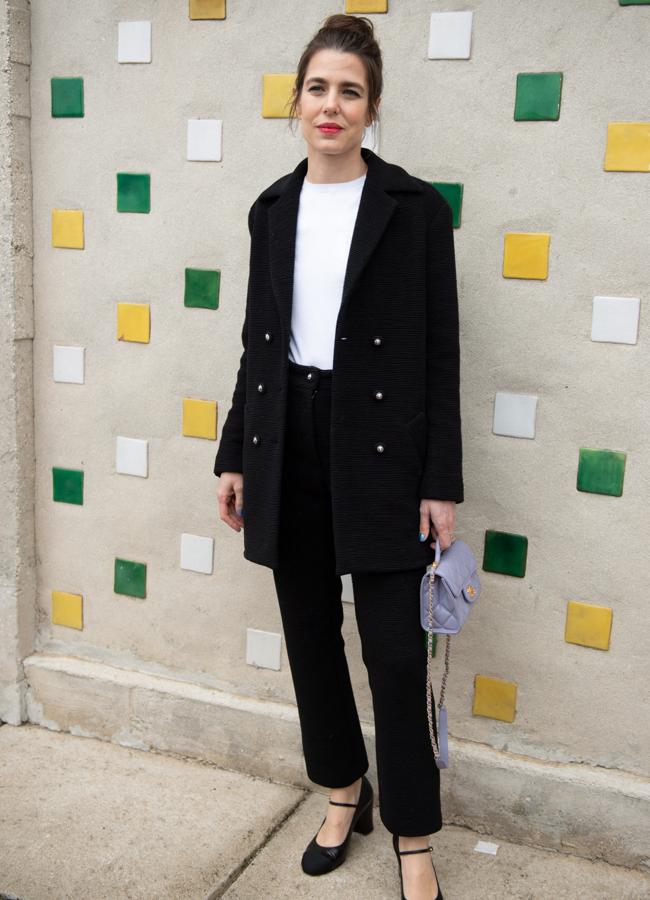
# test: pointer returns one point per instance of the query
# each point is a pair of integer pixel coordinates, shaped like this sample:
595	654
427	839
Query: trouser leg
395	655
309	596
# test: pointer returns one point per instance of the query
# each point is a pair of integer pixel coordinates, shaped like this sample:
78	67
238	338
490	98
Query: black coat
397	333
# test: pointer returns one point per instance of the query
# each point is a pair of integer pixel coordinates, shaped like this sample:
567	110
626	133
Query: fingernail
423	536
240	511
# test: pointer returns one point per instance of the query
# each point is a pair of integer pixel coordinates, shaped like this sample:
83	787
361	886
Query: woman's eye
346	91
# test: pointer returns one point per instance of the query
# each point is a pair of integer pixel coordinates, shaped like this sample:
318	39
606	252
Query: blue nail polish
240	511
423	536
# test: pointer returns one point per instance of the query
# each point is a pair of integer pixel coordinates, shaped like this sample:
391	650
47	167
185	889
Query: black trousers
393	645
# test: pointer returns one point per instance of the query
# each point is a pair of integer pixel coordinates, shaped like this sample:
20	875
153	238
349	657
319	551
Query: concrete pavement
91	820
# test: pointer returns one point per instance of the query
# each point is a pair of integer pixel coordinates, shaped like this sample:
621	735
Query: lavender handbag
448	591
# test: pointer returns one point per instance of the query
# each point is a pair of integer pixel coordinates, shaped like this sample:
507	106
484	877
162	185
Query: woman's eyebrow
344	83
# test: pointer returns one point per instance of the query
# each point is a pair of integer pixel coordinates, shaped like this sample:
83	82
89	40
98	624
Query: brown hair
348	34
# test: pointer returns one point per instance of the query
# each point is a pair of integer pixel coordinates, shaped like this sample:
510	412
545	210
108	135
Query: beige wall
443	120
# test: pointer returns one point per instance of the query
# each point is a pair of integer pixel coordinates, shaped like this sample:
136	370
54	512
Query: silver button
379	448
379	395
261	387
309	376
256	439
377	341
268	337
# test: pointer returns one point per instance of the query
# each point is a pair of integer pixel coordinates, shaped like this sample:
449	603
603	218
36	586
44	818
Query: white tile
197	553
68	364
615	319
134	42
131	456
486	847
450	35
263	648
204	139
348	593
514	414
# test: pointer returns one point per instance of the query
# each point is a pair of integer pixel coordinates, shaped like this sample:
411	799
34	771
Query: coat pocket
417	431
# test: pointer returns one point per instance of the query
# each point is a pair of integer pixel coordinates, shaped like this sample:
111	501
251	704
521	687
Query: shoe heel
364	823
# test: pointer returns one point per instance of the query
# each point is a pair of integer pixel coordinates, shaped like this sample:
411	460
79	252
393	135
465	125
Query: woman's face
334	90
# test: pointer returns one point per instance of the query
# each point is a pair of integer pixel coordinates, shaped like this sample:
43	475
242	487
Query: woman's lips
329	129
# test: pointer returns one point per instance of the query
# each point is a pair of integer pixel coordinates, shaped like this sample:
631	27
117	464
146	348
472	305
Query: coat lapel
376	207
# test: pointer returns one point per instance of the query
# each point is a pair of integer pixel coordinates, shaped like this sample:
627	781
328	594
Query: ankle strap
421	850
338	803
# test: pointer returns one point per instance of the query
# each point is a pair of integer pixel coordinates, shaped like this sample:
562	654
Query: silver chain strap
429	686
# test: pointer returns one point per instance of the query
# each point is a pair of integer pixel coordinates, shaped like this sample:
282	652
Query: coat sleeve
229	454
442	477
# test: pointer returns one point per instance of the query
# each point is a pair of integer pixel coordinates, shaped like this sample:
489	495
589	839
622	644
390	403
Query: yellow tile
68	228
366	6
207	9
133	322
525	254
200	418
588	625
276	95
495	698
67	609
628	147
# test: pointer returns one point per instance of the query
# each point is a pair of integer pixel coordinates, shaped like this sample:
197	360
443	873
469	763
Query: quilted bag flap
458	569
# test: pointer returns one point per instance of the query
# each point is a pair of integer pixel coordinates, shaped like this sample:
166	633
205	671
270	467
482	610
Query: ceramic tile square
366	6
68	485
202	288
68	228
134	42
494	698
615	319
452	191
588	624
68	364
133	322
131	456
514	414
633	2
601	471
133	192
525	254
204	139
197	553
450	35
537	97
505	553
130	578
263	648
207	9
628	147
347	593
200	418
276	95
67	98
67	609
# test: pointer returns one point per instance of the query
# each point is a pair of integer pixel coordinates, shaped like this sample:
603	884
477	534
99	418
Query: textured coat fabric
395	422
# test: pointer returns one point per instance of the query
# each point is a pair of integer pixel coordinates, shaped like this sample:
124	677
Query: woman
344	434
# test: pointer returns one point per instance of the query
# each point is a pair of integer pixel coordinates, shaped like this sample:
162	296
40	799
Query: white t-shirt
326	217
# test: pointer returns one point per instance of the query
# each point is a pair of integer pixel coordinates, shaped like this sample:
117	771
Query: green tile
538	96
634	2
434	642
202	288
130	578
505	553
601	471
68	485
133	192
67	97
452	191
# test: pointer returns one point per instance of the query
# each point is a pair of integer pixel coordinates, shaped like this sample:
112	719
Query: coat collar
376	207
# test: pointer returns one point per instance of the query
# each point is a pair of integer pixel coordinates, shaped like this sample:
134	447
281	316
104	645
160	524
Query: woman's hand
230	494
442	513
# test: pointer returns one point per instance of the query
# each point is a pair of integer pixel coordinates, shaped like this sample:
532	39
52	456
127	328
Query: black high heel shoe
317	860
399	853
